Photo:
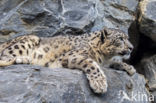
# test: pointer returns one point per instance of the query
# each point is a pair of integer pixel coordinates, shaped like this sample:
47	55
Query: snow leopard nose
125	52
130	48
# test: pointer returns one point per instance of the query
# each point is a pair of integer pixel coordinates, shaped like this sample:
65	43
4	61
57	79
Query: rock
154	94
34	84
116	14
148	67
53	17
147	19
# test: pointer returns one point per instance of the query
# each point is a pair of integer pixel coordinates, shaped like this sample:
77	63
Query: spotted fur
86	52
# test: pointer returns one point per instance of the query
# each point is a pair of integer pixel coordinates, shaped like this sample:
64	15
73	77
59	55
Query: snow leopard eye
121	38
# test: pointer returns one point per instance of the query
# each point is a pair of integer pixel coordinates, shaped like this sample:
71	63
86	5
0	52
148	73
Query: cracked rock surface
52	17
34	84
148	18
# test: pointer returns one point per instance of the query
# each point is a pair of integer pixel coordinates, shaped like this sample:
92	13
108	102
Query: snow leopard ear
102	37
107	31
104	33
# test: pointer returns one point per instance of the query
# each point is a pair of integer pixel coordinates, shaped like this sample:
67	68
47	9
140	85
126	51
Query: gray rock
34	84
148	66
116	14
148	18
154	94
53	17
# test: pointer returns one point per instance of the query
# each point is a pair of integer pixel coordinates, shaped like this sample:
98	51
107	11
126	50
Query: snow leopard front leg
124	66
94	74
